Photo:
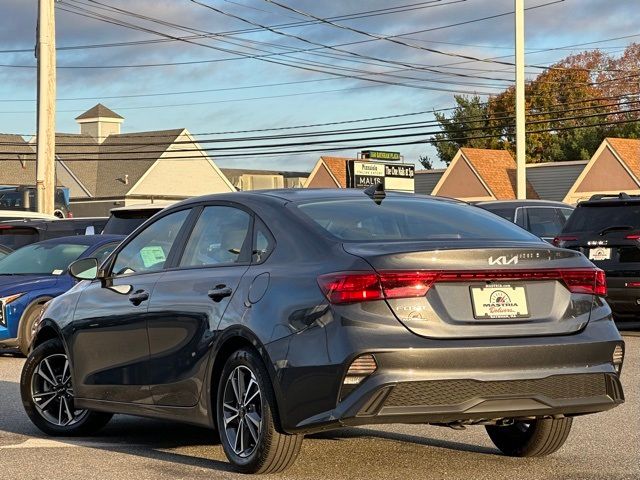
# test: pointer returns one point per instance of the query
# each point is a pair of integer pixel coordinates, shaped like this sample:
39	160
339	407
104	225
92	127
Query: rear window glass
409	219
592	218
16	237
123	223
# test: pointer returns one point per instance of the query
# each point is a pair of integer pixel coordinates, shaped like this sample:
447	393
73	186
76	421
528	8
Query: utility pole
46	130
521	173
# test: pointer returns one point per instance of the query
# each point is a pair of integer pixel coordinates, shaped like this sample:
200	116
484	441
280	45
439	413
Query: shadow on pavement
347	433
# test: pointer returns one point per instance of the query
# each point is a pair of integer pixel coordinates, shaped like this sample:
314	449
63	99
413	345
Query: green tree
583	90
468	121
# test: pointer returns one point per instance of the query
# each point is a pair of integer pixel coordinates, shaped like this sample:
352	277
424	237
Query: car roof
301	194
521	203
88	240
21	214
616	199
159	205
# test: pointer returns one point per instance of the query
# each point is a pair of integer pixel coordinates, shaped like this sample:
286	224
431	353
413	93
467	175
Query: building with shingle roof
426	180
477	174
329	172
252	179
613	168
103	168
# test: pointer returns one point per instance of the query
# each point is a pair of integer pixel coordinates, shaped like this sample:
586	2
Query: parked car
18	233
124	220
23	198
606	228
4	251
543	218
31	276
273	314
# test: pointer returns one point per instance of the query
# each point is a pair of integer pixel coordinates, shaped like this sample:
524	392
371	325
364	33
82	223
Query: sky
215	66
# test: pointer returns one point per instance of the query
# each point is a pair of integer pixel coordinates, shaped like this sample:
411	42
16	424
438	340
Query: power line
358	147
390	127
110	155
386	117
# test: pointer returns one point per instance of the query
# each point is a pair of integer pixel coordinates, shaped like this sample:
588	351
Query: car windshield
123	223
409	219
41	258
596	218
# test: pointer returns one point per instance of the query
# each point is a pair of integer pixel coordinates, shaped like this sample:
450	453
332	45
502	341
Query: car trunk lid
496	289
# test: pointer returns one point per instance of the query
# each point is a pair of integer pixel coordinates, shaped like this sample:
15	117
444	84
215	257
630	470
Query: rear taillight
560	240
591	281
633	236
352	287
406	284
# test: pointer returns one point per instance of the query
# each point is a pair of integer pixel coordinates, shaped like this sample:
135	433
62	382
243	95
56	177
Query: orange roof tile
497	169
629	152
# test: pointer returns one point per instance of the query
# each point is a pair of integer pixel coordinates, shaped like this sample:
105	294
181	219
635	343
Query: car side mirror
84	269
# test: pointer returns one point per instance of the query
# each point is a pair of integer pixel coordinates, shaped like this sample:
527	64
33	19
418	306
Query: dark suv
606	228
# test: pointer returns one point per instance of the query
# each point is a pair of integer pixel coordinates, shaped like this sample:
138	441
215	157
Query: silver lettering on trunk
502	260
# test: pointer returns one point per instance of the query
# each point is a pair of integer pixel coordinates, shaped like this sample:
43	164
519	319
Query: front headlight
4	301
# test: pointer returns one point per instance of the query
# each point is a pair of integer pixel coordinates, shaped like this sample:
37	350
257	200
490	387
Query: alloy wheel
52	391
242	411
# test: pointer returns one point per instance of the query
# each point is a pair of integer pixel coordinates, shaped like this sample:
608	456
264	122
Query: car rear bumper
482	382
477	401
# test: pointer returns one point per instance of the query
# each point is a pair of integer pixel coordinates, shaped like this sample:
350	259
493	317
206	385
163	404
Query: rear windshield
16	237
123	223
409	219
593	218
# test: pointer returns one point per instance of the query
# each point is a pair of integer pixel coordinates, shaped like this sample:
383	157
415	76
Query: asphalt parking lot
603	446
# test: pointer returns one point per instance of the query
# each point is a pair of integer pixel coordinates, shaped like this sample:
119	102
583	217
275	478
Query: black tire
50	356
273	451
26	325
535	438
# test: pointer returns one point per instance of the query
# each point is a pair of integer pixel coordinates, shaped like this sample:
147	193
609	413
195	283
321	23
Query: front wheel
534	438
245	413
46	388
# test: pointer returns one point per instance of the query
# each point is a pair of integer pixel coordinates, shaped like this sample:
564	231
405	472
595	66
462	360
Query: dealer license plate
499	301
600	253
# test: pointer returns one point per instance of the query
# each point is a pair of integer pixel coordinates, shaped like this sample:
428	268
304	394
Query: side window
149	250
103	252
218	237
566	213
545	222
262	243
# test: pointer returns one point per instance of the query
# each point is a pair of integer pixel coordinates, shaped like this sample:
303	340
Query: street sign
380	155
362	174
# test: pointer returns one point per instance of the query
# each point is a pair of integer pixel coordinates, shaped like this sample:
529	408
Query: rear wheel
246	412
47	394
534	438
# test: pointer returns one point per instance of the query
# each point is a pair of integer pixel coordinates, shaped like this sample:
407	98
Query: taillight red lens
351	287
406	284
561	239
592	281
633	236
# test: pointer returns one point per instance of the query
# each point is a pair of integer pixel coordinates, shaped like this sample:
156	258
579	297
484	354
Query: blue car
34	274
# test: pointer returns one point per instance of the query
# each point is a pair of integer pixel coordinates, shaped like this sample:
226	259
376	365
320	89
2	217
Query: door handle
219	292
138	297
